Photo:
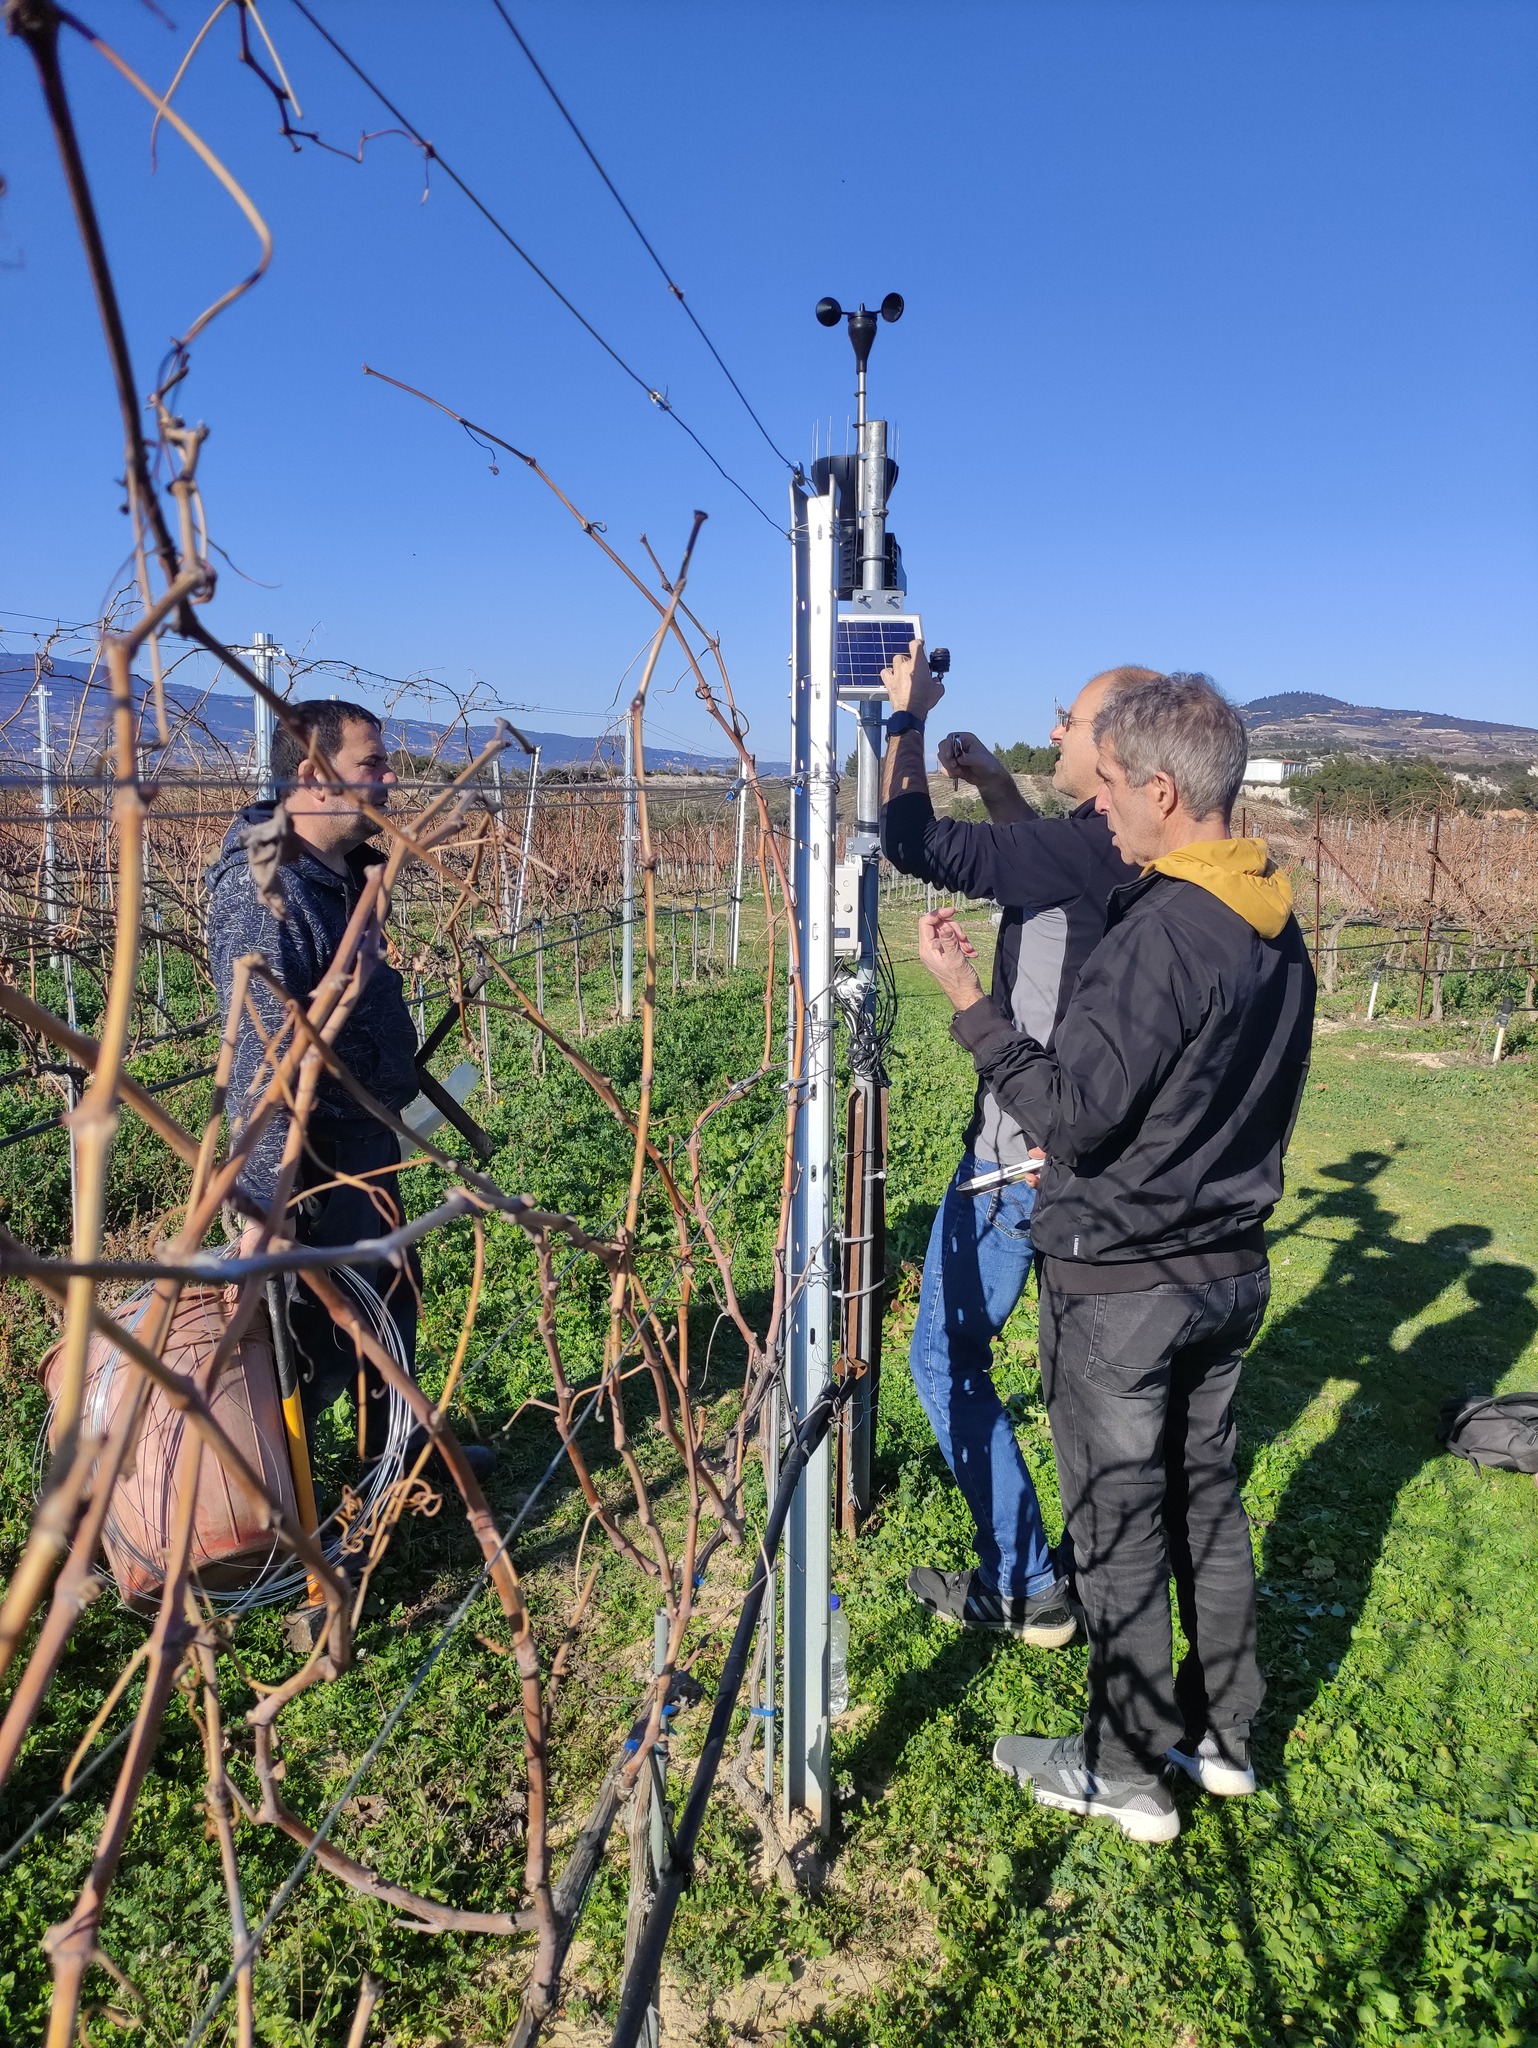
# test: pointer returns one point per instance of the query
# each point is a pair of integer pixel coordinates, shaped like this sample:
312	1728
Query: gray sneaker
1057	1774
1218	1764
962	1596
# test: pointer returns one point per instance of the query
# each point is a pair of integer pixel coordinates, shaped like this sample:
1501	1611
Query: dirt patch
756	2010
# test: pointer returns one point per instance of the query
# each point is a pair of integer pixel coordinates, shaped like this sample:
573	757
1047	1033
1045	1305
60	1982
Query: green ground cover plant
1381	1887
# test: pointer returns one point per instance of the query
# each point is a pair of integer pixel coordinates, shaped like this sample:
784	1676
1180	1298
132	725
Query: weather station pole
850	617
807	1778
263	651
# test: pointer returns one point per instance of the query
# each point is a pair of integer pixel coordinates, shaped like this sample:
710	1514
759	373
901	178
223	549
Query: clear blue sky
1219	348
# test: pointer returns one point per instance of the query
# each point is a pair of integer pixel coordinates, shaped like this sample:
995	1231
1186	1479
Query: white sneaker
1058	1776
1221	1768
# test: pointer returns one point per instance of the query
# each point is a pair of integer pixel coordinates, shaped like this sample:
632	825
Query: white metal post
504	871
526	844
628	831
742	826
51	907
50	838
812	1263
261	716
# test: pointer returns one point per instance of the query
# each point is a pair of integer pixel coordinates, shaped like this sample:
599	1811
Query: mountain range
221	722
1303	724
1297	724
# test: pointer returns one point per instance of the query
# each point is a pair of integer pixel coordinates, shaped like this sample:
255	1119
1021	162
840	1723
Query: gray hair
1185	727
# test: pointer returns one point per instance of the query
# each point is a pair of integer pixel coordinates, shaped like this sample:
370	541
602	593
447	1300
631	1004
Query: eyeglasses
1064	718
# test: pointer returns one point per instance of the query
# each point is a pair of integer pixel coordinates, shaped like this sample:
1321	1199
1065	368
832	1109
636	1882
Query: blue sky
1218	351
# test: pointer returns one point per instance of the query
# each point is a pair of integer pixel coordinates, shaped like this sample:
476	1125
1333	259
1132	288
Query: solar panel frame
864	646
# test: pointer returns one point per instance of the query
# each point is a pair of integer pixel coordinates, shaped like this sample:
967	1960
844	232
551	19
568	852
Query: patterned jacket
379	1040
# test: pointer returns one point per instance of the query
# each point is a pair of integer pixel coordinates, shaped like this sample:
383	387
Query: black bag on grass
1493	1429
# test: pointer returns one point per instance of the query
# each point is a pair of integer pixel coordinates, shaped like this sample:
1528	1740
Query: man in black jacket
1164	1106
349	1184
1053	878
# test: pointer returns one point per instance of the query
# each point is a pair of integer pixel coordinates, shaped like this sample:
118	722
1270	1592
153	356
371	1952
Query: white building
1267	774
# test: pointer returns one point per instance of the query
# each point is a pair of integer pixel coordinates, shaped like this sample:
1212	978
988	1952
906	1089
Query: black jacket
377	1043
1169	1096
1054	878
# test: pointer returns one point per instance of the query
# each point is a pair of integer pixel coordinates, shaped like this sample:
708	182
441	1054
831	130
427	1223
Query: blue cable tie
764	1713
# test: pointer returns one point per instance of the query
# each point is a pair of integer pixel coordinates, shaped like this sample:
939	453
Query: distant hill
220	725
1303	723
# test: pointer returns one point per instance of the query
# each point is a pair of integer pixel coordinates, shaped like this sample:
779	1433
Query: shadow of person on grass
1325	1534
1325	1530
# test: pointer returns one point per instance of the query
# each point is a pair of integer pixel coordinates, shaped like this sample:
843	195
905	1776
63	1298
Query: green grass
1382	1886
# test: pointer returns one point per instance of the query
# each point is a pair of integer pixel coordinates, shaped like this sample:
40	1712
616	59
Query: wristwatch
903	721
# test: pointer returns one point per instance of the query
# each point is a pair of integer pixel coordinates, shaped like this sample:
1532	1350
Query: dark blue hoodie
377	1043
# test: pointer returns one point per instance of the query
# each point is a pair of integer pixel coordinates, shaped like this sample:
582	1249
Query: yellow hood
1239	872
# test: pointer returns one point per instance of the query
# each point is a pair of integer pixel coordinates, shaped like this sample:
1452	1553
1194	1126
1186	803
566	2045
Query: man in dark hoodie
1053	878
377	1043
1164	1106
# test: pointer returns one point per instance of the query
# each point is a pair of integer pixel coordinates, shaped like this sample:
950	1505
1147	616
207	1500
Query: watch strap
903	721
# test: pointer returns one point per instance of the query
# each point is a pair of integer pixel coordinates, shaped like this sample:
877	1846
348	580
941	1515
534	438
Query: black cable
658	398
676	290
637	1992
55	1123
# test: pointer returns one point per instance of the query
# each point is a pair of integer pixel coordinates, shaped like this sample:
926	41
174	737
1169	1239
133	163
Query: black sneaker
1219	1764
1057	1774
963	1597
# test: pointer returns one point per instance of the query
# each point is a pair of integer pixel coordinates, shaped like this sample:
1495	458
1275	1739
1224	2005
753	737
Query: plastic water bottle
838	1657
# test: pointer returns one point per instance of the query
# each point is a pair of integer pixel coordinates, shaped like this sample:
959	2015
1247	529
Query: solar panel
866	646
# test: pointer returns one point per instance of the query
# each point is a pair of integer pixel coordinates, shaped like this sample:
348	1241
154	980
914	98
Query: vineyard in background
472	1708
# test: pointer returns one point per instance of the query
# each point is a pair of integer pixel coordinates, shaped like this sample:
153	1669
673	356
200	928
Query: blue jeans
974	1272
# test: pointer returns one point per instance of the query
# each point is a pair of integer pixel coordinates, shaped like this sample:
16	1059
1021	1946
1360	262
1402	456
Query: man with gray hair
1164	1105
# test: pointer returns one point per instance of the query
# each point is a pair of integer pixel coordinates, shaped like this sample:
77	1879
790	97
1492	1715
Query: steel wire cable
645	240
51	1812
658	398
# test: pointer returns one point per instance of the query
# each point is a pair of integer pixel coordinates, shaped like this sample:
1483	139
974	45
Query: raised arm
1019	859
964	758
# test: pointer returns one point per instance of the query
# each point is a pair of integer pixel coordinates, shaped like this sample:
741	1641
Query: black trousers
336	1215
1140	1395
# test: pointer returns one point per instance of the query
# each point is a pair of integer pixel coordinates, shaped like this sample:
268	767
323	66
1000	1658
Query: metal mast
263	649
812	1348
848	619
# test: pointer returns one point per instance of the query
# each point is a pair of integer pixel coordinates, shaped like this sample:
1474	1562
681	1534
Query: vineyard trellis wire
134	884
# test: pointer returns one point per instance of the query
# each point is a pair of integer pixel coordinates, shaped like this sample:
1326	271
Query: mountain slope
1301	722
221	721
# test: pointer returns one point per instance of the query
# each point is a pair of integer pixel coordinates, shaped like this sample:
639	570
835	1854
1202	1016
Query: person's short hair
323	718
1126	677
1183	725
